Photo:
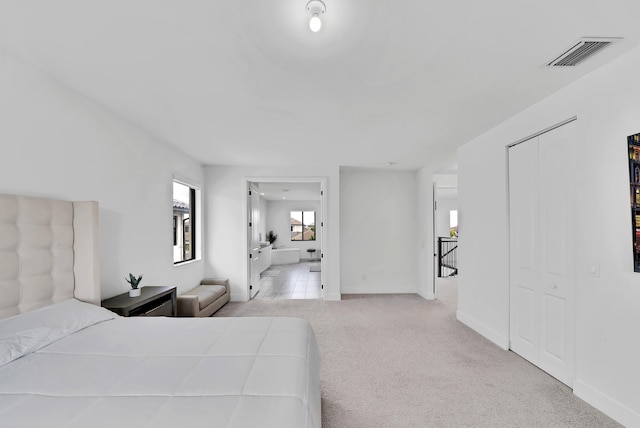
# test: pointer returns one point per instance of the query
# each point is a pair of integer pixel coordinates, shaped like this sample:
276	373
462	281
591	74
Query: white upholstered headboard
48	253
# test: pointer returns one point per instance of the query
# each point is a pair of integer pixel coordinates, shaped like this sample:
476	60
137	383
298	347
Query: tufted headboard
48	253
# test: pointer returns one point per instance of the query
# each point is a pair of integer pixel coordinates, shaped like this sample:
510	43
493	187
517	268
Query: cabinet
152	302
265	253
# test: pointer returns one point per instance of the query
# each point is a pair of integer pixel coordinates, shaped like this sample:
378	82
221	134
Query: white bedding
157	372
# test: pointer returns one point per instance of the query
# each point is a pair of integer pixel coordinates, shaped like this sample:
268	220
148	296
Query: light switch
594	269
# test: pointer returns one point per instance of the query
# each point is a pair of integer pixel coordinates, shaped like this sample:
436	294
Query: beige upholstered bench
205	299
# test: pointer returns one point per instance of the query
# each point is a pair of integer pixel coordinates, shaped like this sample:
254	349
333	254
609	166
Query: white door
323	240
523	234
541	252
255	262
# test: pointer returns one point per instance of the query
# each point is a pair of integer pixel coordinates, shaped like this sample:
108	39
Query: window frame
192	245
302	224
175	230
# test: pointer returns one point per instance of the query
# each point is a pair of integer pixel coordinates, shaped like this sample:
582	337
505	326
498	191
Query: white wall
445	206
447	198
58	144
264	219
225	205
279	220
607	315
379	223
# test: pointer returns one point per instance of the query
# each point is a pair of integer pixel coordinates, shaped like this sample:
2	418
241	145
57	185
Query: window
184	225
303	225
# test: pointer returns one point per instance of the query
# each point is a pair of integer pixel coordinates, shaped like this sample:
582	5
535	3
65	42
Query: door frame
251	251
323	229
434	243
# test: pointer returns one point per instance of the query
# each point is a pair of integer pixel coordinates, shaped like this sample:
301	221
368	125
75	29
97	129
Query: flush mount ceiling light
316	8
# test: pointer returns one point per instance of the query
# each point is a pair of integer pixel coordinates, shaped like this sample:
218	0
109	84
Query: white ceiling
244	82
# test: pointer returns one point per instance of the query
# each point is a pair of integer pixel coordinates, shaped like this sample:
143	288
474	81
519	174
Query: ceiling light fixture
316	8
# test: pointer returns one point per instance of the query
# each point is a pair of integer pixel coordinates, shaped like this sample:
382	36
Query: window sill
188	262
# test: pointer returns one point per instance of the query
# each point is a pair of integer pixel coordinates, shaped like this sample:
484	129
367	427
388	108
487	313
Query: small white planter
134	292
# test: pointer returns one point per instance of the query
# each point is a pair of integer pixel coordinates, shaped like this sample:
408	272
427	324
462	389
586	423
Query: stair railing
447	256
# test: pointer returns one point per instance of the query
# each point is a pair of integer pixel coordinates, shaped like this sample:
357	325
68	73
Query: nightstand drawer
164	310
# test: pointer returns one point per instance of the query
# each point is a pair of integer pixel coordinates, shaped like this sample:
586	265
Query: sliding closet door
523	236
541	251
557	284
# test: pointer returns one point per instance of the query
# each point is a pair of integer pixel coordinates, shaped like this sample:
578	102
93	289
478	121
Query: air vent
582	49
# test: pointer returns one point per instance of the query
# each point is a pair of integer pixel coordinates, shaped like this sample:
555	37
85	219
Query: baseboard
428	295
379	290
607	405
483	330
333	297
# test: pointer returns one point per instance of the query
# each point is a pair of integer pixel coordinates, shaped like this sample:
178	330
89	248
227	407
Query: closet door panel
554	338
523	232
556	154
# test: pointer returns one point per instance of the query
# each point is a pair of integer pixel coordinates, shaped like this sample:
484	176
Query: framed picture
633	143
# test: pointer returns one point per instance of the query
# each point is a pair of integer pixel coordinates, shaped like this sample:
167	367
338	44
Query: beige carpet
401	361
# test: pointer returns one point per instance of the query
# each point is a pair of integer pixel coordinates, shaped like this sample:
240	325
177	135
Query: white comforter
65	367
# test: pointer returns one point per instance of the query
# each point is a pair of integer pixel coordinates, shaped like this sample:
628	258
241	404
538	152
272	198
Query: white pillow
28	332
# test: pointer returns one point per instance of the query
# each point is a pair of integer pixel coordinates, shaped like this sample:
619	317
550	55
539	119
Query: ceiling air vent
581	50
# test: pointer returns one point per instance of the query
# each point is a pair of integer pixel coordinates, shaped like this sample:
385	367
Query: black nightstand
152	302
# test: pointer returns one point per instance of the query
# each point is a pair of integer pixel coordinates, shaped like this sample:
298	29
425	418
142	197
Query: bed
67	362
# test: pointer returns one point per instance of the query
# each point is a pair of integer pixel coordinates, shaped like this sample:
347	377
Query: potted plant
135	291
271	237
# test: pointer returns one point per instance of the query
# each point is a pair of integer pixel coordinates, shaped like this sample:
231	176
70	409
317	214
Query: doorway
541	253
445	234
282	261
256	249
